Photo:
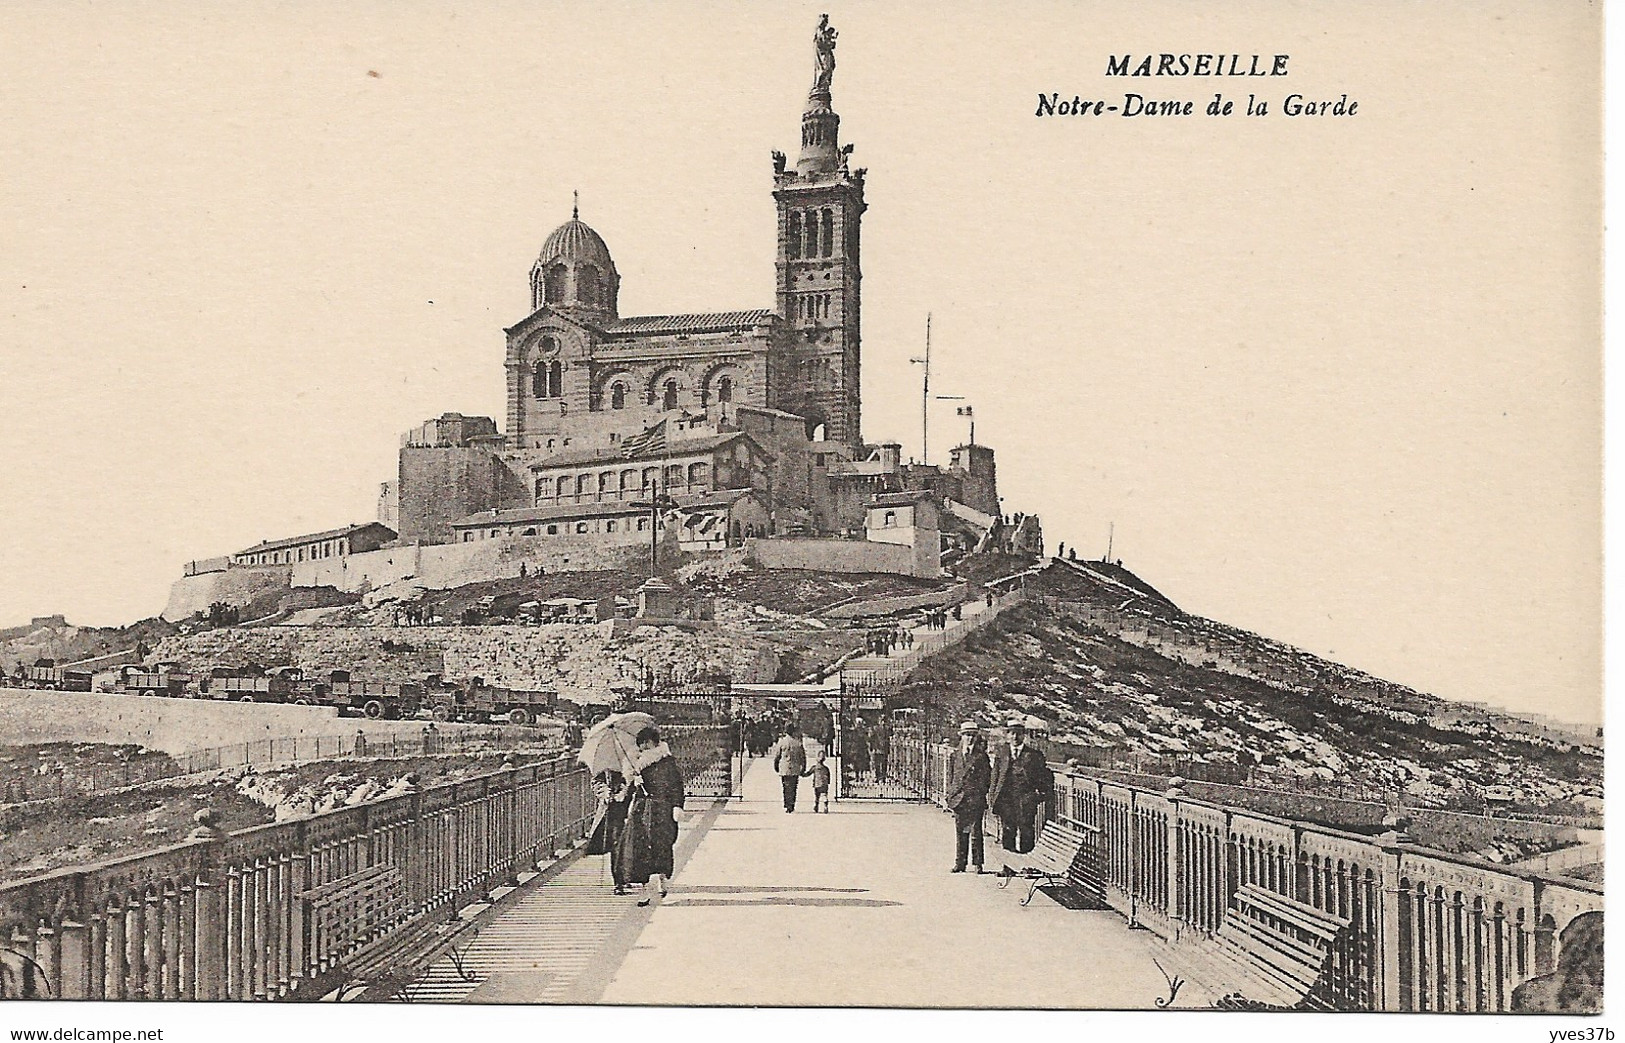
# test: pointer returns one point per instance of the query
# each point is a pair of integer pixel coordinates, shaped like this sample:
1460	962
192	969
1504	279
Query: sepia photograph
1073	506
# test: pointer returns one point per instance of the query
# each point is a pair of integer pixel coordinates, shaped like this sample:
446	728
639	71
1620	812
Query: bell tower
820	210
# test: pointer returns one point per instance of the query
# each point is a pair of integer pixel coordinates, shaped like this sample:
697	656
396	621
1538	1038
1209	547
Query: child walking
820	780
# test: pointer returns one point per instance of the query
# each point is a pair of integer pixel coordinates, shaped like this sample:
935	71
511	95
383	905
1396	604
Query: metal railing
228	916
1431	931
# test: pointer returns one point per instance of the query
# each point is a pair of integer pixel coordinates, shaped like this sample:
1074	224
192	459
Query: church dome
575	271
575	241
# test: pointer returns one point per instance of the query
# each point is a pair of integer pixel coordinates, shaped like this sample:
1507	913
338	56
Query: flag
651	441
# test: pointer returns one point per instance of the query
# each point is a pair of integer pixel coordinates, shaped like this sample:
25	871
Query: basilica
738	427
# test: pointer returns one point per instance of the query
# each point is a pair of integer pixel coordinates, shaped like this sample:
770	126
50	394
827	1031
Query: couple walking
789	756
1013	779
637	825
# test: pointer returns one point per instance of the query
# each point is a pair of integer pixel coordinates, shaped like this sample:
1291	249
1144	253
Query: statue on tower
823	55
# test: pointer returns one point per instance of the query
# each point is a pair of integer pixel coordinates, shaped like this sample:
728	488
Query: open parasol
612	745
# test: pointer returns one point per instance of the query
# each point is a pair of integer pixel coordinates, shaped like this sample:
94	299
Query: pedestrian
855	750
820	784
968	777
990	599
360	742
789	756
1029	786
650	837
614	794
998	791
522	569
956	614
880	747
431	739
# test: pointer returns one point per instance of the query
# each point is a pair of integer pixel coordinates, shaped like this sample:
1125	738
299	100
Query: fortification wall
236	586
837	556
439	566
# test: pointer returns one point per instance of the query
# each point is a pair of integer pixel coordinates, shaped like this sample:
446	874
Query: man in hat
1029	786
999	792
968	772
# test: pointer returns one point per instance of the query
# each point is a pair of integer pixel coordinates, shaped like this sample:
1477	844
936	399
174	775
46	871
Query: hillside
1115	698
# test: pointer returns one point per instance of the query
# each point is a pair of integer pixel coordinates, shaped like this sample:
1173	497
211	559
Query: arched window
555	379
674	475
555	284
629	482
699	474
669	400
651	479
829	233
539	381
820	433
544	489
891	519
812	234
617	395
792	237
587	284
725	389
581	527
606	485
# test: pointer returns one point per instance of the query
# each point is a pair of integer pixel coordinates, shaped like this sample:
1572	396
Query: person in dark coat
1029	786
650	836
855	749
880	747
999	793
611	788
966	797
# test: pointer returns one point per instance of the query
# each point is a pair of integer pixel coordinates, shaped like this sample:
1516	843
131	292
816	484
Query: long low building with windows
705	521
334	543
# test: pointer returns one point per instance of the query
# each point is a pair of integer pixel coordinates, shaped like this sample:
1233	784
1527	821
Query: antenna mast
1110	533
925	396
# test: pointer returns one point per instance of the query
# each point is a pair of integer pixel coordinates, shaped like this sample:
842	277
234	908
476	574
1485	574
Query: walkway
856	907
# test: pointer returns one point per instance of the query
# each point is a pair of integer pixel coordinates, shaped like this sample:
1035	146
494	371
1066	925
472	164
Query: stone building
604	408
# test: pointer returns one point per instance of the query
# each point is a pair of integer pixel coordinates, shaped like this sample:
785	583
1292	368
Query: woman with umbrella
650	836
641	785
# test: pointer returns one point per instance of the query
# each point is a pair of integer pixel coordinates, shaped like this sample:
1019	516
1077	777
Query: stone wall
234	586
170	725
839	556
440	566
582	662
439	484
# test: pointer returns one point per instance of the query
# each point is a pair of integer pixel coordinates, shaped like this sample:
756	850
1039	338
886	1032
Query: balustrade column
1385	947
74	954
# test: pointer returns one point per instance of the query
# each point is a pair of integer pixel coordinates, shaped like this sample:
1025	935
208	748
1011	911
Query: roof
715	498
903	499
705	322
562	512
574	241
315	537
683	447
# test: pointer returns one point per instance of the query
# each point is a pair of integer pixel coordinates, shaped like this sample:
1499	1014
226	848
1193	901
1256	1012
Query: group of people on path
637	821
792	763
937	618
884	642
1012	778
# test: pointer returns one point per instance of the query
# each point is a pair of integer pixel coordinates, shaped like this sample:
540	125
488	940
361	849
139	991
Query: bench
362	934
1066	857
1286	945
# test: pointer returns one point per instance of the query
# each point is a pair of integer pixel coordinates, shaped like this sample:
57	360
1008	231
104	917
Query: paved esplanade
855	907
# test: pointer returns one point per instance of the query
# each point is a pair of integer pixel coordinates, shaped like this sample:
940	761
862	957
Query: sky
1335	380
